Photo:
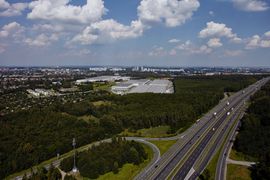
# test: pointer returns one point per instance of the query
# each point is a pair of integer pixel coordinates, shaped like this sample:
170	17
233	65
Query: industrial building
103	79
143	86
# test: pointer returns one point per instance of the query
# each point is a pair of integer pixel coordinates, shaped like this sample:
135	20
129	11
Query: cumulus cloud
267	34
214	43
12	28
61	10
251	5
4	4
216	30
258	42
15	9
189	48
171	12
47	28
41	40
108	31
211	13
174	41
157	51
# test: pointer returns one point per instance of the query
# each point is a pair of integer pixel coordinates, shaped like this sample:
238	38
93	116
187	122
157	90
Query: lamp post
75	169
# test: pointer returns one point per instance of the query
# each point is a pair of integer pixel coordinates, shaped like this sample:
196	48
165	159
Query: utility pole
75	169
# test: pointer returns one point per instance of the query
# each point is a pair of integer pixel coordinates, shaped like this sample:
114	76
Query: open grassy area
100	103
210	171
236	172
129	171
239	156
163	146
103	86
160	131
88	118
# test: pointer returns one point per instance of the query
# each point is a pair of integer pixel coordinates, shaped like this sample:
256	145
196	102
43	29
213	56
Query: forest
98	160
253	138
32	136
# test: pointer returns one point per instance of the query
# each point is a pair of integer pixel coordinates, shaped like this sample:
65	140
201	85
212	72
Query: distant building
103	79
143	86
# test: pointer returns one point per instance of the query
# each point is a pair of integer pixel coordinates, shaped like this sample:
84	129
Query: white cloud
4	4
189	48
257	42
41	40
174	41
171	12
14	9
157	51
267	34
251	5
214	43
48	28
61	10
217	30
108	31
13	29
211	13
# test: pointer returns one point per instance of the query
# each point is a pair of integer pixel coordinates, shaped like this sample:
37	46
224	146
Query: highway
187	150
179	160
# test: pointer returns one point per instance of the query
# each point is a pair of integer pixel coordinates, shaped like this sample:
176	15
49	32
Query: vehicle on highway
228	103
228	113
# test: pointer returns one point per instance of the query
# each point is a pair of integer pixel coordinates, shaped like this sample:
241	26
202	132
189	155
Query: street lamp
75	169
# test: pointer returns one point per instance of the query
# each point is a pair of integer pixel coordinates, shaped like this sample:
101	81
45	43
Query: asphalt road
198	132
221	169
161	167
234	116
56	163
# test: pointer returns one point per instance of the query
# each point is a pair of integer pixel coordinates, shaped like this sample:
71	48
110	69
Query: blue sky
135	32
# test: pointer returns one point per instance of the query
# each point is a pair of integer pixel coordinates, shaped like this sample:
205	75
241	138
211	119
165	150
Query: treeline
106	157
41	174
253	138
30	137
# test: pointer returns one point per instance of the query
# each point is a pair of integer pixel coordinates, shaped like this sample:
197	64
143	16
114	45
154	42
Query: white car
228	113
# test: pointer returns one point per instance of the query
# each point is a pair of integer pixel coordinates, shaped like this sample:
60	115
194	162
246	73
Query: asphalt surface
221	169
161	167
197	133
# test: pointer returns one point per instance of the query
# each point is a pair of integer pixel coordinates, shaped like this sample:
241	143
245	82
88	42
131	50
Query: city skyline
130	33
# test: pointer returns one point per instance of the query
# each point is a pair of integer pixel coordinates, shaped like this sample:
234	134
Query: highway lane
206	121
166	171
221	138
183	171
222	164
217	143
184	138
168	166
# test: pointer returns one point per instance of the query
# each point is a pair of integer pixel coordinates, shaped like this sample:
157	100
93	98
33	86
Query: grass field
163	146
210	171
100	103
129	171
88	118
236	172
239	156
103	86
160	131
